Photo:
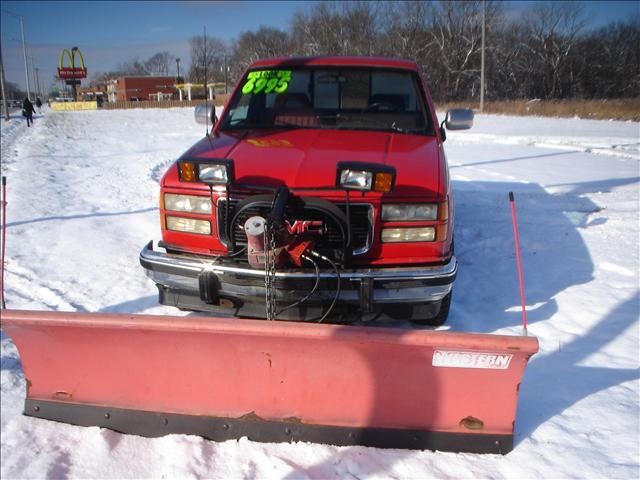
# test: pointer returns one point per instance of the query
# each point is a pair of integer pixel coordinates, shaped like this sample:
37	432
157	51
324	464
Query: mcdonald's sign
71	72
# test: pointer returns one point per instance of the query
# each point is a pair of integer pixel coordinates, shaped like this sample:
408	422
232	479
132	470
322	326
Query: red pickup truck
321	194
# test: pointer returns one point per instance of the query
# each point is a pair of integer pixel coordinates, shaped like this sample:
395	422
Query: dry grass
618	109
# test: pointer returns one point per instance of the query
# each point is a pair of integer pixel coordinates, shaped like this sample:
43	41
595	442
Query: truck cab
322	193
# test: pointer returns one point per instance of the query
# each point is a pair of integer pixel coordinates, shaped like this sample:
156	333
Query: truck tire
442	315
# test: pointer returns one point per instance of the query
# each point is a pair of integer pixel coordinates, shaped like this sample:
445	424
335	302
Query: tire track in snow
26	283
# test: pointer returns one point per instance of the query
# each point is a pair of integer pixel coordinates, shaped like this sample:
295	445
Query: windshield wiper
289	125
334	116
377	126
395	128
240	126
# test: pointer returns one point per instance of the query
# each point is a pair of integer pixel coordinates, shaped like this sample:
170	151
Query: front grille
361	216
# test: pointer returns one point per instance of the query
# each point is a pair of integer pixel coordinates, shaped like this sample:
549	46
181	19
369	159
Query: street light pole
178	65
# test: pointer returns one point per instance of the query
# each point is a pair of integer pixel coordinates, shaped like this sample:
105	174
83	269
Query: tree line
545	52
160	64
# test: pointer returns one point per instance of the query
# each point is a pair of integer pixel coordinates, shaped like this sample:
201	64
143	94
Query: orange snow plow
272	381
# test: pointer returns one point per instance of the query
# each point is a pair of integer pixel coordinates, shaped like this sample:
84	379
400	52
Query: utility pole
178	65
482	62
24	49
5	104
38	84
33	73
24	54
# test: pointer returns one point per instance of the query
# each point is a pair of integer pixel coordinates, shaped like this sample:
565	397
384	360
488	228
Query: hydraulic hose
337	294
311	292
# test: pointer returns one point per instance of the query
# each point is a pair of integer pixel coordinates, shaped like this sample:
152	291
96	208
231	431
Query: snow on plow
272	381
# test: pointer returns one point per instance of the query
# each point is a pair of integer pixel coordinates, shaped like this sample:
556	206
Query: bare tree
405	33
346	28
252	46
456	34
132	68
608	61
216	50
550	33
159	63
544	53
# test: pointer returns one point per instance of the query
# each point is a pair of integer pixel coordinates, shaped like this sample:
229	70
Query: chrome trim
218	227
196	265
402	295
372	229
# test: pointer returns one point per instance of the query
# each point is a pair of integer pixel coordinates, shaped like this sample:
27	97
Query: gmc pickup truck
322	193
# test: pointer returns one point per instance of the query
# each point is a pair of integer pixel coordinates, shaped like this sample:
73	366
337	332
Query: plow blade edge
272	381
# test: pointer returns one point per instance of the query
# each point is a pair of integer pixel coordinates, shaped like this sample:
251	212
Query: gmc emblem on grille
315	227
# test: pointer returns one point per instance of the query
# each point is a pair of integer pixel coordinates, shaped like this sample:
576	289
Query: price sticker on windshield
267	81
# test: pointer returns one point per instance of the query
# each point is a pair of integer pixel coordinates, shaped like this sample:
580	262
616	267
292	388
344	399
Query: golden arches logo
72	71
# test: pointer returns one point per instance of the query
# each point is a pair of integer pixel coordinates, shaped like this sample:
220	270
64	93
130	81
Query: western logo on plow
497	361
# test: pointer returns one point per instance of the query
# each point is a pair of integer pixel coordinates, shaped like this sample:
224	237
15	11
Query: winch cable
222	257
311	292
270	270
337	294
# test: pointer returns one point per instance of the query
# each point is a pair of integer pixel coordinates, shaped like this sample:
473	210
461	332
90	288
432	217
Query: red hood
308	158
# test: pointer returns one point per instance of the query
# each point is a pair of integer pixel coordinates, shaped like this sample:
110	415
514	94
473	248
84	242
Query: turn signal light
384	182
187	171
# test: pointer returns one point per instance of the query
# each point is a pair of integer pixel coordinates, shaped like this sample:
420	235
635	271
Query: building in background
142	89
96	92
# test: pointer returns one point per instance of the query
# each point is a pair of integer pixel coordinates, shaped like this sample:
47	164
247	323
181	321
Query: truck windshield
329	98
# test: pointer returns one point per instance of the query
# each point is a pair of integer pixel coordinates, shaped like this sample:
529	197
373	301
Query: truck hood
308	158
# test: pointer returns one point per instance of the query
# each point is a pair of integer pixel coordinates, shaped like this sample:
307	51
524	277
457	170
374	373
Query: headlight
394	235
213	174
410	212
365	177
189	225
357	180
218	171
187	203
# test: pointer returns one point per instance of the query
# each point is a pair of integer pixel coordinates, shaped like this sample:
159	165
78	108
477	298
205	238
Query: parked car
322	194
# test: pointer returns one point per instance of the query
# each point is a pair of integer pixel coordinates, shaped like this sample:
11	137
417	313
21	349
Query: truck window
329	98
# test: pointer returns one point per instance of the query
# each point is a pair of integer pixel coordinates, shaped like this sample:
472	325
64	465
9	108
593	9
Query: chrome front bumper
199	283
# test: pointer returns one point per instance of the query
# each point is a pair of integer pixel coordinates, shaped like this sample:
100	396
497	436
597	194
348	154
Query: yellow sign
61	106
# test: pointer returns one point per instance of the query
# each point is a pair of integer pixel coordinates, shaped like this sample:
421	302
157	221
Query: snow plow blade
272	381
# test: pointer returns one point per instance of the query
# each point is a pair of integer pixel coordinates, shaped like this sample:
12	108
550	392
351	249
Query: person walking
28	111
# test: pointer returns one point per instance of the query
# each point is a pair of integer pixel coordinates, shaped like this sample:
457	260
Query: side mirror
205	113
459	119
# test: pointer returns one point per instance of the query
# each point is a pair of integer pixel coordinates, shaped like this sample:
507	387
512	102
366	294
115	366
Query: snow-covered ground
82	201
